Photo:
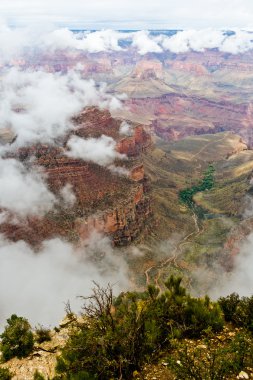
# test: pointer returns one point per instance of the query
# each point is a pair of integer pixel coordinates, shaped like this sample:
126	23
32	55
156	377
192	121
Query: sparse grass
224	199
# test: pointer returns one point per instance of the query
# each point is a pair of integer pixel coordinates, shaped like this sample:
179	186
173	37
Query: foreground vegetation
117	336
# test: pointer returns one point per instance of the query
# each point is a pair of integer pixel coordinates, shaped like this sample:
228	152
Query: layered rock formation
105	201
178	116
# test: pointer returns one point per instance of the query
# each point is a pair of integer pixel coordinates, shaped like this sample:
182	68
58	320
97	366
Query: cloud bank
16	43
38	284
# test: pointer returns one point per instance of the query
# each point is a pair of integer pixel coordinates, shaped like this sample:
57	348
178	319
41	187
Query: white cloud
104	40
67	195
200	40
37	284
15	43
101	151
197	40
12	42
142	41
238	43
120	170
23	192
39	106
126	129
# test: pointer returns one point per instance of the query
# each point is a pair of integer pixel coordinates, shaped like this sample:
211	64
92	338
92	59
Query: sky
130	14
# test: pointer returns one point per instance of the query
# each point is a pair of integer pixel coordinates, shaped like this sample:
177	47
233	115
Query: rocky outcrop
44	356
123	223
6	136
132	146
137	173
105	201
146	69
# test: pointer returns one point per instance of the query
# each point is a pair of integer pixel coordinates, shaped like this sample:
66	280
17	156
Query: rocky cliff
112	203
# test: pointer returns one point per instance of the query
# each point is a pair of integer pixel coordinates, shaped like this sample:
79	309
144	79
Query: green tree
17	338
110	341
117	335
238	310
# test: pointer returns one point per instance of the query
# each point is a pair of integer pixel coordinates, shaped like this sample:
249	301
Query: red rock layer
116	205
178	116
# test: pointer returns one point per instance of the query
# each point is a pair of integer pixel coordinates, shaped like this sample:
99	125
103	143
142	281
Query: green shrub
42	334
212	360
17	338
119	334
229	305
238	311
110	342
180	315
201	314
5	374
38	376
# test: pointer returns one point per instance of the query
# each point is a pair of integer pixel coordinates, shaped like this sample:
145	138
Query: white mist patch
240	280
197	40
119	170
240	42
94	42
15	43
101	151
22	191
37	285
248	205
39	106
144	43
67	195
126	129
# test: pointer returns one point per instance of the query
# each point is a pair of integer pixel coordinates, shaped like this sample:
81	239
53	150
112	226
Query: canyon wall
117	205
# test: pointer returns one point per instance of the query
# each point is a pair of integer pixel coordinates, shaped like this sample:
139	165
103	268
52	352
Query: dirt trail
210	143
173	257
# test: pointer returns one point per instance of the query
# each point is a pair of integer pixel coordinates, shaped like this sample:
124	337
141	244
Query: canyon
184	112
154	180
